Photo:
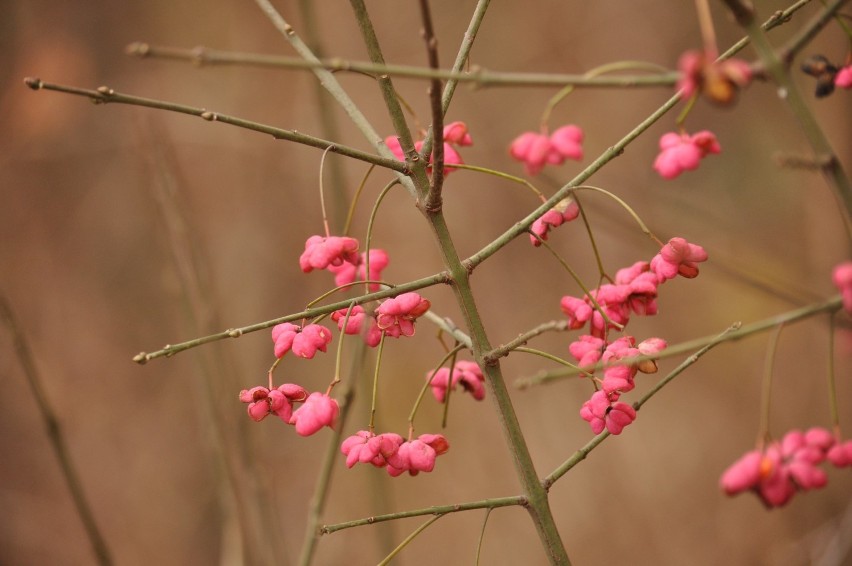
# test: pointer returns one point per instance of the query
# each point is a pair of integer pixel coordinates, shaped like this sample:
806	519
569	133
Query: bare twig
104	95
54	434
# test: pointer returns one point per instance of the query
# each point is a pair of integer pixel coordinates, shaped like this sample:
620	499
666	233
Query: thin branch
104	95
434	200
522	339
172	349
478	76
830	305
436	510
581	454
54	434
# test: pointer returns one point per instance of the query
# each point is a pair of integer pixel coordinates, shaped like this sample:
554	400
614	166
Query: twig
172	349
104	95
522	339
54	434
480	77
755	327
436	510
434	200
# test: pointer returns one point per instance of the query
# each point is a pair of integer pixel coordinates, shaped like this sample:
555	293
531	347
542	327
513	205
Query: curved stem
766	389
407	540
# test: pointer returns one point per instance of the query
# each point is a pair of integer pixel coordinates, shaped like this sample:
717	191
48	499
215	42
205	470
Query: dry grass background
89	267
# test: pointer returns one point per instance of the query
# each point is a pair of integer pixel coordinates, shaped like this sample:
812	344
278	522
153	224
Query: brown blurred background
107	211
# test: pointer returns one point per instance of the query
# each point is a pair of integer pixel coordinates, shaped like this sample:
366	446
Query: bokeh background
123	229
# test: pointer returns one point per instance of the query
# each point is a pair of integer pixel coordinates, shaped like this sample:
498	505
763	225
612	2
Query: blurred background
123	229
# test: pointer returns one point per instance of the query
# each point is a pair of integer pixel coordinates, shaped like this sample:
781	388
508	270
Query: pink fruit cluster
317	409
391	452
633	291
455	134
776	473
604	410
339	255
634	288
535	150
304	342
465	373
394	318
681	152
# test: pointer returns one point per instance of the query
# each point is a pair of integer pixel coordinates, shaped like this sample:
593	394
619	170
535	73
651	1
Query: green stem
407	540
766	388
522	339
376	382
436	510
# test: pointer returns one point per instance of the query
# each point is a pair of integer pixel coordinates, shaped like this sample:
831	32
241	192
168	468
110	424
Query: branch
830	305
437	510
54	434
172	349
478	76
434	201
522	339
104	95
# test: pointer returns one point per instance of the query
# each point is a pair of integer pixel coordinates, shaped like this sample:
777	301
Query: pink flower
682	152
843	79
417	455
466	373
718	81
842	277
604	411
319	410
322	252
565	211
356	325
396	316
678	257
536	150
349	272
303	341
279	401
